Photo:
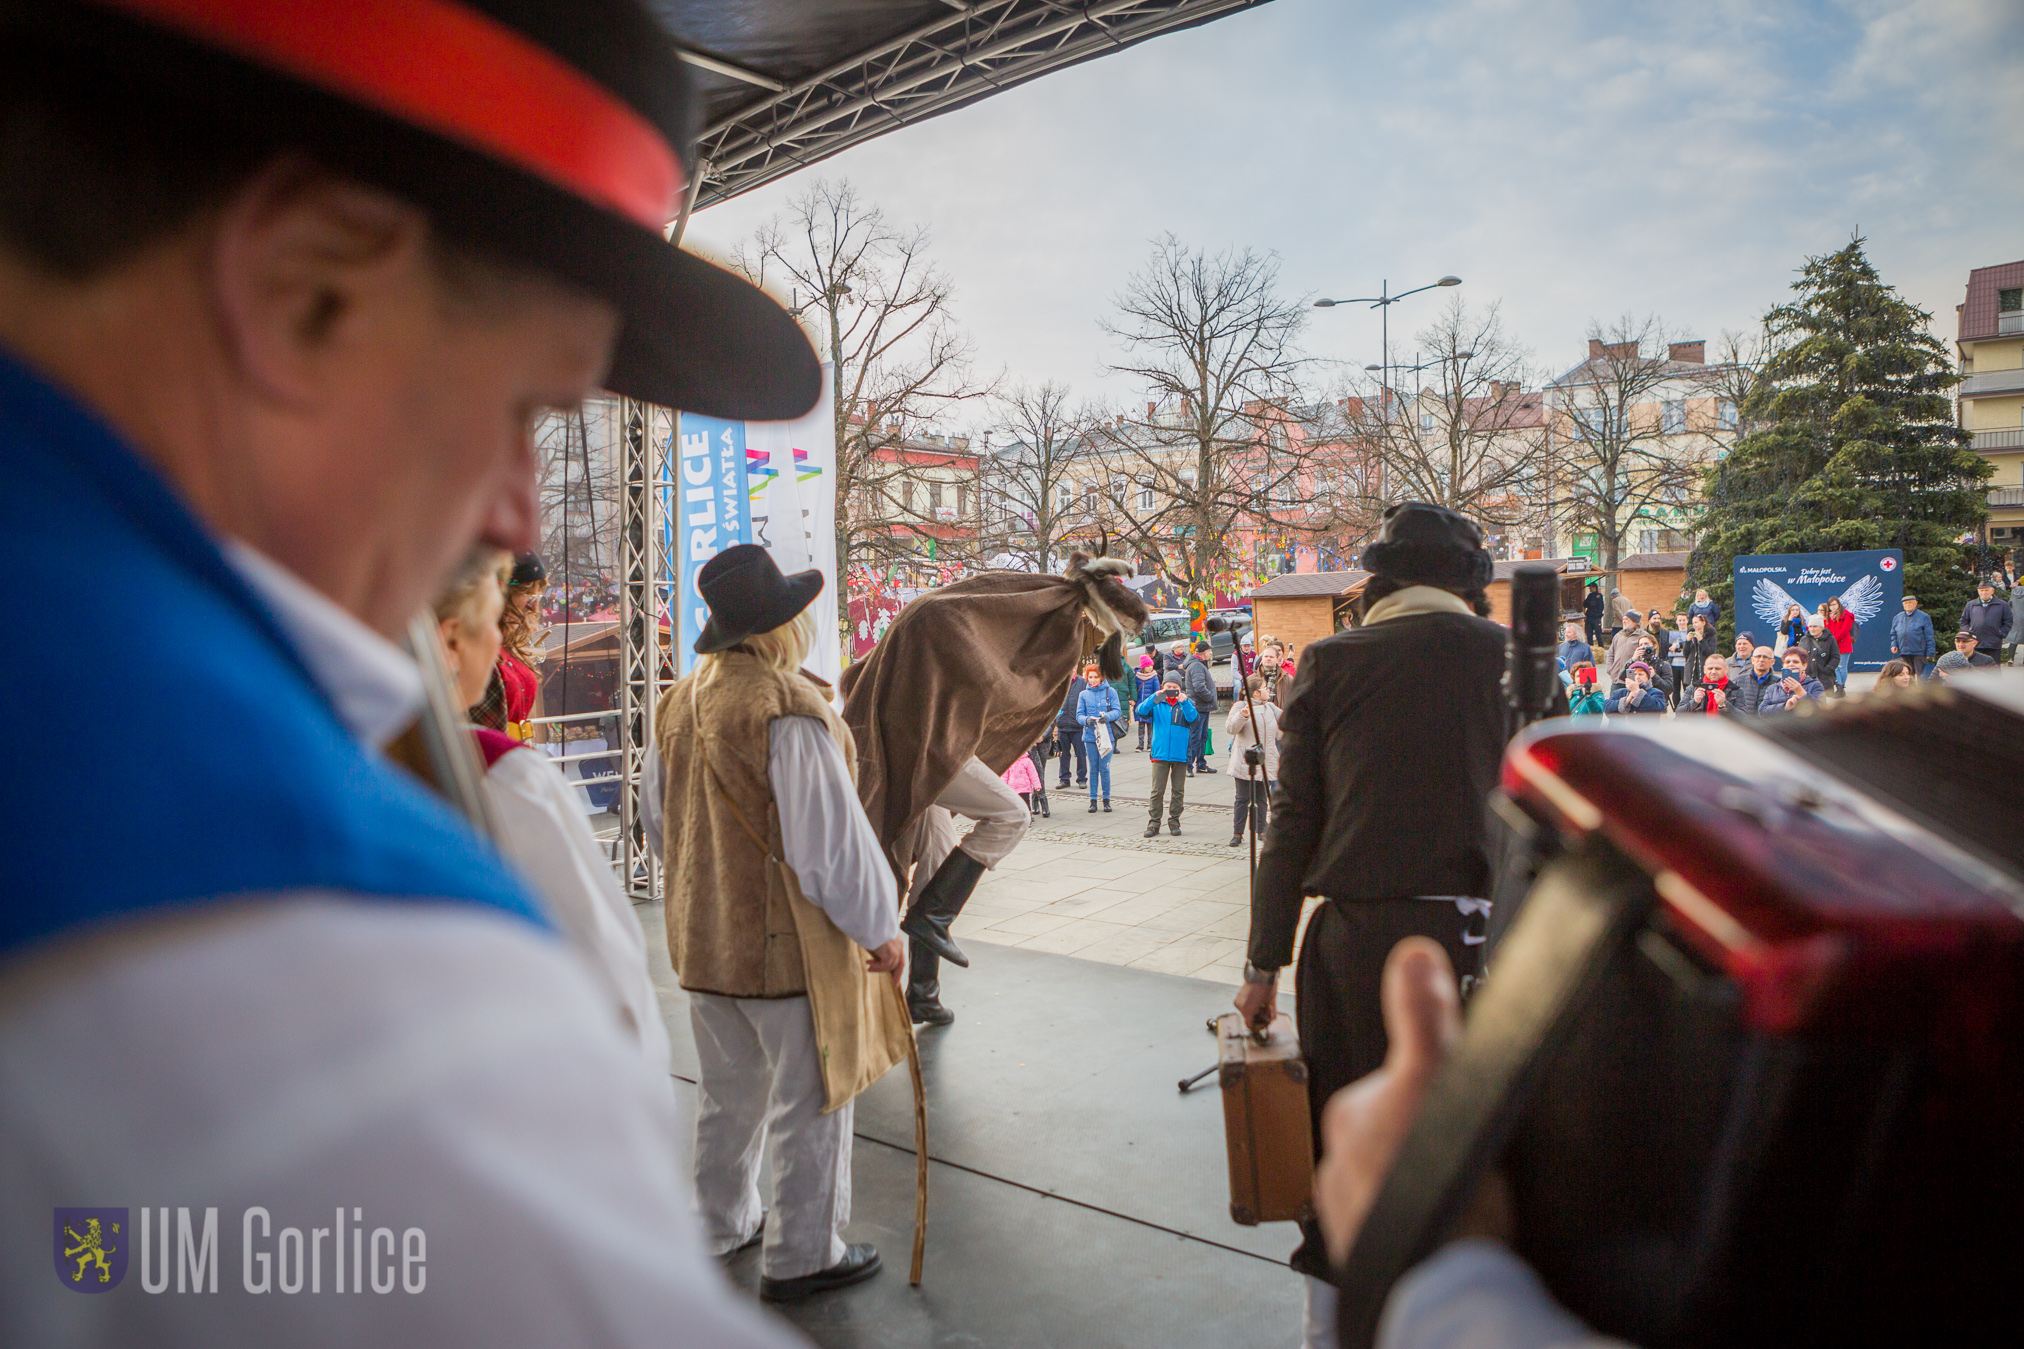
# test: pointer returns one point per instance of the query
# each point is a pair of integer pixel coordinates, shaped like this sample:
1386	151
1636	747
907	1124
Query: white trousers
976	793
759	1084
1317	1322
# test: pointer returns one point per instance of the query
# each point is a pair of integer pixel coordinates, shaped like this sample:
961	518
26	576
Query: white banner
790	475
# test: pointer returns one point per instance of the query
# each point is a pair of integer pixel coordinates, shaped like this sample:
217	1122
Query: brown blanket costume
977	668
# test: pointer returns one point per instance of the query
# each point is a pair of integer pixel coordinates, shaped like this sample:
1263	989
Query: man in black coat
1592	606
1390	745
1989	619
1068	738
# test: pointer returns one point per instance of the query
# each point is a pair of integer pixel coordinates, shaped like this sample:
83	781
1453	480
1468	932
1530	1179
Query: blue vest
169	748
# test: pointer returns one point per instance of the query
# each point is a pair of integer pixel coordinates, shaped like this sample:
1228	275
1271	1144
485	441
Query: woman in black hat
1390	745
776	889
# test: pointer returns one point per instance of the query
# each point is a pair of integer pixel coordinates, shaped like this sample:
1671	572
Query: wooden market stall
1575	574
1654	581
1304	606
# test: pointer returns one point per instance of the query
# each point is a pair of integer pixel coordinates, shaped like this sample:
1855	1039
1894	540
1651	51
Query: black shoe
1043	812
1092	805
1174	829
1106	805
929	1012
1153	831
1237	842
858	1264
939	903
1061	786
1205	769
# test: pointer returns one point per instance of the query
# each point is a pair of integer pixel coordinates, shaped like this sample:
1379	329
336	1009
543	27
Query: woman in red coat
1840	625
508	704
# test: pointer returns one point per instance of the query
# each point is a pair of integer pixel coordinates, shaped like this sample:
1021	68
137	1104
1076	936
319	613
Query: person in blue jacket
1146	685
1703	607
1171	715
1793	687
1911	636
1573	650
1096	705
1636	693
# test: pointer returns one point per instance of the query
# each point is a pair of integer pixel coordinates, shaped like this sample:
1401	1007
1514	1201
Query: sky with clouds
1572	162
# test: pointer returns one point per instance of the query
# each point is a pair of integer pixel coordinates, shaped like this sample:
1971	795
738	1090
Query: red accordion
1751	1053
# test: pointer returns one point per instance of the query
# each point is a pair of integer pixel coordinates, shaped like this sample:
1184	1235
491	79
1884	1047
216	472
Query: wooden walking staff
920	1141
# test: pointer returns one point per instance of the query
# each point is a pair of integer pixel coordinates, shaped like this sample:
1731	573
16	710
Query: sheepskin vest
731	927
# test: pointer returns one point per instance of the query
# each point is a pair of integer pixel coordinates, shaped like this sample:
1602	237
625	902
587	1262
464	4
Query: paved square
1093	887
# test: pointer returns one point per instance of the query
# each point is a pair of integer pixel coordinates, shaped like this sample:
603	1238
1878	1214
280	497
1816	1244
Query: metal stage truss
962	53
784	85
646	595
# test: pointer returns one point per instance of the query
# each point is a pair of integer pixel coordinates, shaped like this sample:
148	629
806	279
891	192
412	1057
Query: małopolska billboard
1871	586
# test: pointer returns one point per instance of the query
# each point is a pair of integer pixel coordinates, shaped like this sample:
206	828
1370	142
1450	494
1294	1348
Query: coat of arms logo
91	1255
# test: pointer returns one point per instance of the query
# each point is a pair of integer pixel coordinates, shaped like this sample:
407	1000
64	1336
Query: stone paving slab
1093	887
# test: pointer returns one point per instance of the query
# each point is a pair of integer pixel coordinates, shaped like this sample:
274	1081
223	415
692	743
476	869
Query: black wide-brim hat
561	136
748	595
1420	543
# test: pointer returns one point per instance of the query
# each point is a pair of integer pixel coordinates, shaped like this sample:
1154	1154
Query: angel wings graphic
1770	600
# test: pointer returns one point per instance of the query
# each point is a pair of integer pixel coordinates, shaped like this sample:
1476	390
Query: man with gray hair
283	290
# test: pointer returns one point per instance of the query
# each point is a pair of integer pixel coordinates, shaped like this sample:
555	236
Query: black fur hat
1419	543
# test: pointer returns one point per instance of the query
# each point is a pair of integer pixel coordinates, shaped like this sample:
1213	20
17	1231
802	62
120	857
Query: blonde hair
785	648
518	626
460	592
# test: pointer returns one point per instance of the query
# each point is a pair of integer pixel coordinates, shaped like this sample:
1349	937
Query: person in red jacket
1840	625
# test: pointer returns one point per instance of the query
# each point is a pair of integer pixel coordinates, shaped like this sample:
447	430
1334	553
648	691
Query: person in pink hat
1144	685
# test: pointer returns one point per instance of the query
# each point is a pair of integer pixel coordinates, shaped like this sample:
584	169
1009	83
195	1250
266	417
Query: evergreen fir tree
1850	443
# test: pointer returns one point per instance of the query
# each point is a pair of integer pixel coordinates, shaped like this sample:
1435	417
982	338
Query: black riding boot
940	900
924	986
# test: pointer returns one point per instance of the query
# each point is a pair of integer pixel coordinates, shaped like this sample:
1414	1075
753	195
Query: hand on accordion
1364	1123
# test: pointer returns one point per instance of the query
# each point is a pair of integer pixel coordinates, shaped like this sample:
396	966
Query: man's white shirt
426	1066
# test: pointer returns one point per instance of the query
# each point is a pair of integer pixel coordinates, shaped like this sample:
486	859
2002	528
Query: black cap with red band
559	134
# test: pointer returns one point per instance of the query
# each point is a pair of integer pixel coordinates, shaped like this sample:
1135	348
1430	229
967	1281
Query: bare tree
1623	451
1211	341
883	310
1468	435
578	491
1030	485
1730	379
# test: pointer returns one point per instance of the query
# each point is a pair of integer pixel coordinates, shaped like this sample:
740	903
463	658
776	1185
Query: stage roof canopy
788	83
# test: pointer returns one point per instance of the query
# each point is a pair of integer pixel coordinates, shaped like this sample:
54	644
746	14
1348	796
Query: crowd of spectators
1642	665
593	598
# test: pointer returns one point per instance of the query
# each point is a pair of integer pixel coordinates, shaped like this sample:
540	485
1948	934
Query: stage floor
1076	1198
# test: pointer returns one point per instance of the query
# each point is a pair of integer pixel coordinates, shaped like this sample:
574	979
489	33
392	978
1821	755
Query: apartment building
1662	420
1991	393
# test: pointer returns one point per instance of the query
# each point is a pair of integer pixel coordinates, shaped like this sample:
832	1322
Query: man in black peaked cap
1392	740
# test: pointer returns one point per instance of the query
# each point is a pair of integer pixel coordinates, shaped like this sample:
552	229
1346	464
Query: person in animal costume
963	682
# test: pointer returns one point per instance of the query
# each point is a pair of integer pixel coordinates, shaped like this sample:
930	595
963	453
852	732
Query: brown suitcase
1265	1122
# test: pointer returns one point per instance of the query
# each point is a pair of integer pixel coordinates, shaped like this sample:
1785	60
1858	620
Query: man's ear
303	263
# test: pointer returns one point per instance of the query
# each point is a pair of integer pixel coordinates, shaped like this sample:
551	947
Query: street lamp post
1382	302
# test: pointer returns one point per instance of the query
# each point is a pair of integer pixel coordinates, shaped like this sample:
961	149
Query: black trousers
1336	1005
1070	745
1254	795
